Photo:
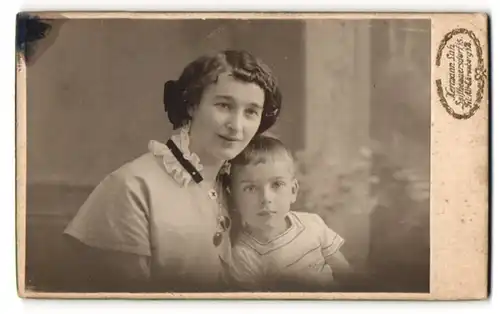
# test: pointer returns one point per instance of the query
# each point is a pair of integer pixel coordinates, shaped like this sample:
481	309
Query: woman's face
227	117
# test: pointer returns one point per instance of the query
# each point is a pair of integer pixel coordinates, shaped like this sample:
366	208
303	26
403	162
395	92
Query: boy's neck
269	233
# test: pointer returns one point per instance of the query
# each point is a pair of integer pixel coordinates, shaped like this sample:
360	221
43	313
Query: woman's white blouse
152	207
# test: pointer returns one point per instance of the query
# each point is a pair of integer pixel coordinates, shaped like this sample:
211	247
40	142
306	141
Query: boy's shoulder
308	218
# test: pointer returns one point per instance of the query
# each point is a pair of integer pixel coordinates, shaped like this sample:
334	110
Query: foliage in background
397	200
328	185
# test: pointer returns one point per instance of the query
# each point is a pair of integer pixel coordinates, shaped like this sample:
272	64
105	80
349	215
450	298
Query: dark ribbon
224	221
184	162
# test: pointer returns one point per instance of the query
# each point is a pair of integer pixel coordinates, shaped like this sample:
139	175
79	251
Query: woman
159	222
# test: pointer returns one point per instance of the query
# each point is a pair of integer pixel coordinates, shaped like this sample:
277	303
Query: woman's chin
228	154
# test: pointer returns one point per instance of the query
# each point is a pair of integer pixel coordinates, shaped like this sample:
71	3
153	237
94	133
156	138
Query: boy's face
263	192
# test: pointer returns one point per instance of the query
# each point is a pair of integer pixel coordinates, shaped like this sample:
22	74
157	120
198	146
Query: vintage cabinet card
252	155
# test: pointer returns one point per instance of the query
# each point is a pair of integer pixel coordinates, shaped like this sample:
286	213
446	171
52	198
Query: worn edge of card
459	160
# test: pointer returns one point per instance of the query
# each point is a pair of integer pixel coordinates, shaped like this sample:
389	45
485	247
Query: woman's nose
235	122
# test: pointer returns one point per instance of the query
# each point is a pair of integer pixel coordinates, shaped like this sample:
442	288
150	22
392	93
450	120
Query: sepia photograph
228	155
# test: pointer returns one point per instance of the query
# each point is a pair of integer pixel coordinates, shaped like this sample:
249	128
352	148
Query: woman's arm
98	270
109	237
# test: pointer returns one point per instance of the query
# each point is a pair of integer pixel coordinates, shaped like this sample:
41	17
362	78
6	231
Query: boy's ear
295	190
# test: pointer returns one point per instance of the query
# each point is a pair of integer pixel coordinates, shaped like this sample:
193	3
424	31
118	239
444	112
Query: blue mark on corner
29	30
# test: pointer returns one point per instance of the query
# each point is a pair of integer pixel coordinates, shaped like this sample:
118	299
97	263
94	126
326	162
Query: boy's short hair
260	149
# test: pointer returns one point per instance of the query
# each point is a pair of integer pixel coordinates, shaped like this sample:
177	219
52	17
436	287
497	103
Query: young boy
275	248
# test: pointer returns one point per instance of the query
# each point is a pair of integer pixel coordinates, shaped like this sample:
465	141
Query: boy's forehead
268	163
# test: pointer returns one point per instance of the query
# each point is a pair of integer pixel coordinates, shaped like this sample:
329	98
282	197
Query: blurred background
356	113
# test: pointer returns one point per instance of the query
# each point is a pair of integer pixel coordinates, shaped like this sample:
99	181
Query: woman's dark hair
186	92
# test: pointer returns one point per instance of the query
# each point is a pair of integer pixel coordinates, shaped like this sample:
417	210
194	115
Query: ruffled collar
171	164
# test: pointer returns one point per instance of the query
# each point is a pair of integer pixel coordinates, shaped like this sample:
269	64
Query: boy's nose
266	196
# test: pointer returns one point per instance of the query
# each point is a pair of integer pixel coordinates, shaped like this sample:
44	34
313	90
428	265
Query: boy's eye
278	184
249	188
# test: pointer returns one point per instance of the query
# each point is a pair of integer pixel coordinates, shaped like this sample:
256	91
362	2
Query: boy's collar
296	228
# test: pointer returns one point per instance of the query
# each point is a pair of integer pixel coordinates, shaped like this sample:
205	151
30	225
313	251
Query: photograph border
459	185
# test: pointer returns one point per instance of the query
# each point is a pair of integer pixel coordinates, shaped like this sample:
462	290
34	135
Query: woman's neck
210	171
211	165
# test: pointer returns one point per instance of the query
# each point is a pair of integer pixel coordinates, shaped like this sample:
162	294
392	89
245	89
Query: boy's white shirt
297	255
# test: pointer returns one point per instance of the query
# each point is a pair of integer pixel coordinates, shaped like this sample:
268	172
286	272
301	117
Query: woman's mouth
229	139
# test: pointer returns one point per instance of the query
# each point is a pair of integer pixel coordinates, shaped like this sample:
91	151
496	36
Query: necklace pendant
217	239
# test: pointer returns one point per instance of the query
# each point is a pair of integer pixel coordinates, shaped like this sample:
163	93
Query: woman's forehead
229	87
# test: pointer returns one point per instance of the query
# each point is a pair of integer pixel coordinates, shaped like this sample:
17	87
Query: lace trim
171	164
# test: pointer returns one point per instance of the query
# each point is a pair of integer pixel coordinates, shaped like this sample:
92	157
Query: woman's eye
252	112
222	105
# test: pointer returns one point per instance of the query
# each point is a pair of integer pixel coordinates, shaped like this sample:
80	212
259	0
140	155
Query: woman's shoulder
137	168
145	170
155	169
